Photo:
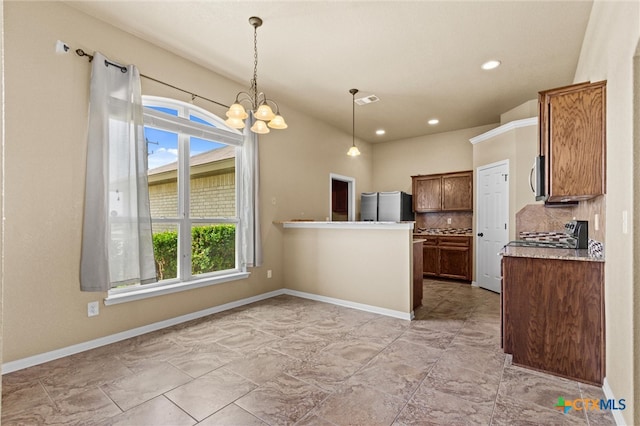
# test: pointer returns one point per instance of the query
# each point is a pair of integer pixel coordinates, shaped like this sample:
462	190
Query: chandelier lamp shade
353	151
257	101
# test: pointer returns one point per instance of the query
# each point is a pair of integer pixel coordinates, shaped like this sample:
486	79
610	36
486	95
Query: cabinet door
575	130
430	259
456	192
553	317
454	262
427	194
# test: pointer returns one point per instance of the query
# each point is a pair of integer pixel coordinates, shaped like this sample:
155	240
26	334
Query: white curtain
117	246
249	204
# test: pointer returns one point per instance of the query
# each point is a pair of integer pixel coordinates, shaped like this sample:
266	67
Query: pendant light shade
236	123
353	151
265	113
260	127
237	111
258	101
278	123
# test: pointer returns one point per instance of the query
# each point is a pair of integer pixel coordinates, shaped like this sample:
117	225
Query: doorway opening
342	206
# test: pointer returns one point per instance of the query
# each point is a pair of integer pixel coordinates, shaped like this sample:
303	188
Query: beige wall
369	266
607	54
526	110
395	162
46	116
1	191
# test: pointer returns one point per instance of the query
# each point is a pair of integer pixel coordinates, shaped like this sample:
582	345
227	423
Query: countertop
550	253
345	225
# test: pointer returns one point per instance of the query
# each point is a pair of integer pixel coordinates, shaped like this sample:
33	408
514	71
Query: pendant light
353	151
258	102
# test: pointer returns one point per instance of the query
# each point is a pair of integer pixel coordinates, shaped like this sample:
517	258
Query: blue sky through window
162	145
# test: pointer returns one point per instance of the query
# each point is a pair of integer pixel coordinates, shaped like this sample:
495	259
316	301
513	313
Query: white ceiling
421	58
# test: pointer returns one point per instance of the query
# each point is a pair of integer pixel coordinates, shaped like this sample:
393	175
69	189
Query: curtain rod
81	53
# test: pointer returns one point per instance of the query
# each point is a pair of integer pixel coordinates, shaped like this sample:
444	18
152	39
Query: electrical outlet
269	274
596	222
93	309
448	221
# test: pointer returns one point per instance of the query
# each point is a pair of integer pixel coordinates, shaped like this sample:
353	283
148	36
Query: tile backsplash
440	220
538	218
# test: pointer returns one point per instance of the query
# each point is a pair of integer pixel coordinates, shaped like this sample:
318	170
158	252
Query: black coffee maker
578	230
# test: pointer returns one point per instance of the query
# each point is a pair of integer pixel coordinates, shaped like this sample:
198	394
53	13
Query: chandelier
258	102
353	151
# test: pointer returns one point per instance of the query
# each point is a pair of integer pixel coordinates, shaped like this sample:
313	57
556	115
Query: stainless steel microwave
538	179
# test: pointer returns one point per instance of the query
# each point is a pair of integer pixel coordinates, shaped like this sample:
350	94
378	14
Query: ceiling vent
367	100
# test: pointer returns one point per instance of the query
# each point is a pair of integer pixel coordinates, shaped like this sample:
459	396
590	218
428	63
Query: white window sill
145	293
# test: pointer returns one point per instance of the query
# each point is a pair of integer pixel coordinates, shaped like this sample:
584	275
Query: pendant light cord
353	124
353	115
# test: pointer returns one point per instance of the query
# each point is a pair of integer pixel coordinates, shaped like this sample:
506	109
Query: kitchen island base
366	263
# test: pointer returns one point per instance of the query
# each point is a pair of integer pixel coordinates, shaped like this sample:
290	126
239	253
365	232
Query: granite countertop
462	232
549	253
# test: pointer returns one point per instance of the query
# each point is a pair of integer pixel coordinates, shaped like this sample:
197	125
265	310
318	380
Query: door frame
351	190
476	245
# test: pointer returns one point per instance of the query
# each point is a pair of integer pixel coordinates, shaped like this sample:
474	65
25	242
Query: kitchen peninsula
364	265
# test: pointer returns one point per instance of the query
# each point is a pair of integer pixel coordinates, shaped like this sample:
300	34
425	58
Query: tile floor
286	361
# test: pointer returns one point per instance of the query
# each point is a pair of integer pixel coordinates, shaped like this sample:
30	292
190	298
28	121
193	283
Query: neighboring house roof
207	157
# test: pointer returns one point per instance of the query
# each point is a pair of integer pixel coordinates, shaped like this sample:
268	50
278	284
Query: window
193	194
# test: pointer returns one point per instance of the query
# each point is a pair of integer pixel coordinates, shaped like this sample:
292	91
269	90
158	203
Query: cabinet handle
480	234
531	177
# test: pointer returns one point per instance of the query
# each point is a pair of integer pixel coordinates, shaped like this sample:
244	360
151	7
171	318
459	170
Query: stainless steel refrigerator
369	206
393	206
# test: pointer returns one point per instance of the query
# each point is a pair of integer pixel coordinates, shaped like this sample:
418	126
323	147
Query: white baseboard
349	304
474	284
20	364
608	393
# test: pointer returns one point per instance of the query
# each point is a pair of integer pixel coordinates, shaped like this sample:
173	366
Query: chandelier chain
254	83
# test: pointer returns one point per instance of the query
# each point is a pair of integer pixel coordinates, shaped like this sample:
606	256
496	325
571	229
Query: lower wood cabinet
447	257
430	263
553	316
417	273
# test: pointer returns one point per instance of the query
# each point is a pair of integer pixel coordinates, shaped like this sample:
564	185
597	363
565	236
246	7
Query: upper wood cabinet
427	193
572	124
443	192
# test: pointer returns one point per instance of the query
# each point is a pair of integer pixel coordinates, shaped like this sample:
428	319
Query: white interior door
492	229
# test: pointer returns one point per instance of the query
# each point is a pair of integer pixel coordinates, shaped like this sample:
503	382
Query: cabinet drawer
430	241
454	241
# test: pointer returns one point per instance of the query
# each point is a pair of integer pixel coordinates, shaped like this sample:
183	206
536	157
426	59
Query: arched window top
187	118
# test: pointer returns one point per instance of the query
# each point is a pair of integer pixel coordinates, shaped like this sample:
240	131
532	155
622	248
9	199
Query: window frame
185	129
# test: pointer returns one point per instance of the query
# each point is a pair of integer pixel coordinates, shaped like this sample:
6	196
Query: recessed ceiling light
380	132
433	121
489	65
